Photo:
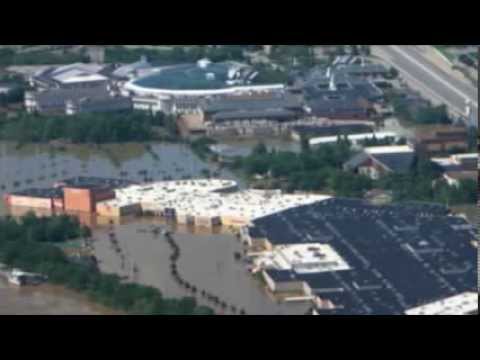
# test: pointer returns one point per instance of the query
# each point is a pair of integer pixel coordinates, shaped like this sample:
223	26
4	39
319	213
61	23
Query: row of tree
86	128
21	247
177	54
9	57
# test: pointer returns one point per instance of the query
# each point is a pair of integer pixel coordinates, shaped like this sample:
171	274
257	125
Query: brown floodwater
46	300
207	259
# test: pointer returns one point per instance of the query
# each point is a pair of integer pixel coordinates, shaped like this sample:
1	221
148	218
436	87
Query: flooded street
207	260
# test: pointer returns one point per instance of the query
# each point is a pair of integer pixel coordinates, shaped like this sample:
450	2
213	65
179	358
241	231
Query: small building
377	161
116	208
285	282
458	167
441	139
192	125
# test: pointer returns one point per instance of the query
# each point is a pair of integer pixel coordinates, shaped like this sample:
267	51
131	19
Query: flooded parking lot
207	260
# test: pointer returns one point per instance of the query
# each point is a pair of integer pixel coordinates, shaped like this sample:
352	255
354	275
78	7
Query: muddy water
40	166
45	300
207	259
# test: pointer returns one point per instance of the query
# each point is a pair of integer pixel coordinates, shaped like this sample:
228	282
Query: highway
434	82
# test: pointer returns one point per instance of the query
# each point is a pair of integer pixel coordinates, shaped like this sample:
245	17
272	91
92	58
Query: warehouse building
400	256
206	203
378	161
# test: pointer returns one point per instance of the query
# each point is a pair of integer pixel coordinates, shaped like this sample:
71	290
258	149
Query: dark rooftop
401	256
41	193
253	104
332	130
397	162
93	182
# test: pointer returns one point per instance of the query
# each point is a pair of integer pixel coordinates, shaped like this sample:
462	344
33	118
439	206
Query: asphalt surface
439	84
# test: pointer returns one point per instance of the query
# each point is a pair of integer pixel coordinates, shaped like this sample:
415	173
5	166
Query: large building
168	88
399	257
203	202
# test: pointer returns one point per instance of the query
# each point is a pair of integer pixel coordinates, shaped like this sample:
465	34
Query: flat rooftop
461	304
83	182
40	193
401	256
212	198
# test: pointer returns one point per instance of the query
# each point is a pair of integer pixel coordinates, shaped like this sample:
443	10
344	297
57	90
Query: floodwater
207	260
41	166
45	300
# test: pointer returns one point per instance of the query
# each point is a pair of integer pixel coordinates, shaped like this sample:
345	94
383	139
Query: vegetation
27	244
423	183
14	96
201	146
321	170
269	75
374	141
88	128
422	114
10	57
176	54
311	170
293	55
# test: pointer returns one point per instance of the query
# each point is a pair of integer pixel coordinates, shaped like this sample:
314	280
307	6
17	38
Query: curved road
425	75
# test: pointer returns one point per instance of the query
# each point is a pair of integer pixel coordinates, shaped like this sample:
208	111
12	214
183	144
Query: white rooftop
303	259
396	149
201	198
461	304
454	159
353	138
76	76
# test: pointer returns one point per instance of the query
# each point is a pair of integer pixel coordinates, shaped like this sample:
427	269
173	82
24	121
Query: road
433	81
